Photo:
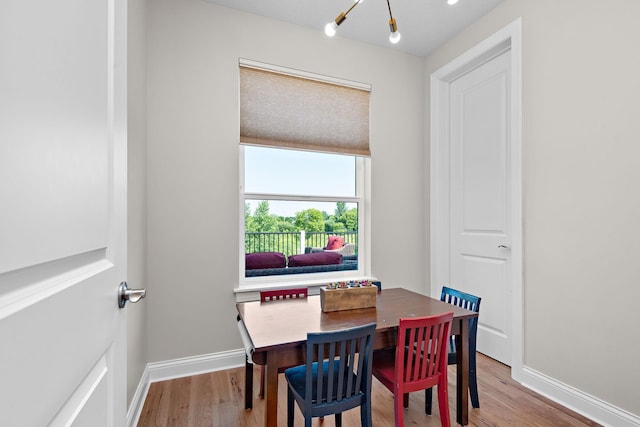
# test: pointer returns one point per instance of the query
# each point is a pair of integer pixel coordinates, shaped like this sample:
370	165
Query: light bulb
452	1
395	37
330	29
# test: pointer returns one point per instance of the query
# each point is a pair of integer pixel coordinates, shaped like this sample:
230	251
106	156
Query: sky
269	170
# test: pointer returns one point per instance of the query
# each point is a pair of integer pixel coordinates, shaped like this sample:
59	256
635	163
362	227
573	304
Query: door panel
487	277
55	129
87	406
480	202
63	221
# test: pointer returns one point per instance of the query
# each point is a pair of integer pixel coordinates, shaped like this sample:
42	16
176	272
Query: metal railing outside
289	243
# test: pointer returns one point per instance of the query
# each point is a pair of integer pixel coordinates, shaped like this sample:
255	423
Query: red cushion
260	260
335	242
315	258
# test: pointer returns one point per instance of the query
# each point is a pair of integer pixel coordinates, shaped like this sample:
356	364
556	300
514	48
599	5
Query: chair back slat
319	349
331	373
280	294
347	369
342	368
413	360
424	341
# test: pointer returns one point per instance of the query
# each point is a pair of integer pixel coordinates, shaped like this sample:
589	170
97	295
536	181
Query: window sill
250	291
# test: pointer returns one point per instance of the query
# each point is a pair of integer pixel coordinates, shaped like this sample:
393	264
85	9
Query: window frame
362	198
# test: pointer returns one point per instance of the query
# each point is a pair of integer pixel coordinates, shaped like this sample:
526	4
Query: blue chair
336	376
472	303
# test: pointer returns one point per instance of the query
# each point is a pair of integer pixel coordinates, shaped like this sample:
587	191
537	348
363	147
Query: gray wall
581	202
193	193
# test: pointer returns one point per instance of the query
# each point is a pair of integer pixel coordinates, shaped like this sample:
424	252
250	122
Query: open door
62	212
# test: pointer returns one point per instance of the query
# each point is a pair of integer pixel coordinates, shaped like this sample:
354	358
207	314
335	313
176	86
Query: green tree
332	226
309	220
351	219
264	221
260	222
341	209
249	223
248	227
285	225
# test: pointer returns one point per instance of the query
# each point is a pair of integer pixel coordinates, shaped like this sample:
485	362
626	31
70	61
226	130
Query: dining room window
304	176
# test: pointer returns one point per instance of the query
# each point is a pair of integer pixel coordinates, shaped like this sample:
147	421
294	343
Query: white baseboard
591	407
135	409
178	368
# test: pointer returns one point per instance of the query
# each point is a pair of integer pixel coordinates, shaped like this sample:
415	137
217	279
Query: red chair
267	296
407	368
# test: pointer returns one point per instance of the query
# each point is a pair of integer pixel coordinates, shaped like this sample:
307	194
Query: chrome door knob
125	294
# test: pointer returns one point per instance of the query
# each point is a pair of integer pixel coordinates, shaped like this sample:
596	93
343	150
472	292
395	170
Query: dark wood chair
336	376
472	303
265	296
418	362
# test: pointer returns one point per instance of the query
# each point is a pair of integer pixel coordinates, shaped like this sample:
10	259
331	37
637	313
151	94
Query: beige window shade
282	110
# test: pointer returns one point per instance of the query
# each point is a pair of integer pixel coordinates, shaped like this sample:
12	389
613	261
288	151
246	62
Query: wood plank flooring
217	400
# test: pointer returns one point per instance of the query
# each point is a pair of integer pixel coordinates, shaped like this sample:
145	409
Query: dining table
278	330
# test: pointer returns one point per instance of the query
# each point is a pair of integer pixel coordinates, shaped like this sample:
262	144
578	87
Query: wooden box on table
348	298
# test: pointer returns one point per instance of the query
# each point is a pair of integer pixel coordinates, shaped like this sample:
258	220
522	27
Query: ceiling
424	24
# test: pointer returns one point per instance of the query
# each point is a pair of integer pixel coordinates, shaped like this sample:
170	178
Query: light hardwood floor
217	399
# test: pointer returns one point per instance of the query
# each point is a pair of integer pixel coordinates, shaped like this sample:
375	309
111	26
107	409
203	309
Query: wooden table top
286	323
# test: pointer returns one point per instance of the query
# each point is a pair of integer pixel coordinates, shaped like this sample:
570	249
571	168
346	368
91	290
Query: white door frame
508	38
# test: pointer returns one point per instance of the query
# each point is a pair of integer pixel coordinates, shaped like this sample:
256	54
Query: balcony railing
291	243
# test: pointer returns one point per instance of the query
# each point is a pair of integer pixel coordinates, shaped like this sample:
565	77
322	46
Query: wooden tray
348	298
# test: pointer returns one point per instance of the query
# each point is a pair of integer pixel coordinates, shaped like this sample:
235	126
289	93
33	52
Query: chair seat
384	362
297	375
384	369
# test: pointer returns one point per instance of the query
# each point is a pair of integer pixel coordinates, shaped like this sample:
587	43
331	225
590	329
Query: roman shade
278	109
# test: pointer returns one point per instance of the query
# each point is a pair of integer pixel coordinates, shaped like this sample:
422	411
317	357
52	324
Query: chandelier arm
331	27
351	8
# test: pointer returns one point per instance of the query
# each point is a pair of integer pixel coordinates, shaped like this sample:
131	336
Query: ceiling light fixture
452	2
331	28
395	36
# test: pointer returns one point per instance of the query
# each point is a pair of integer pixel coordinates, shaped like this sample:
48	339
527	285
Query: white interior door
480	199
62	214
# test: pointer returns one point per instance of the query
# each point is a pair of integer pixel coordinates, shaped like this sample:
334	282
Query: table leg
462	373
248	383
271	389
